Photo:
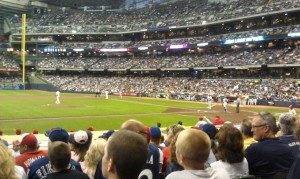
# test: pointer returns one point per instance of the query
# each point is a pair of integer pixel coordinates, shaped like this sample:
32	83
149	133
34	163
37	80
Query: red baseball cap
28	139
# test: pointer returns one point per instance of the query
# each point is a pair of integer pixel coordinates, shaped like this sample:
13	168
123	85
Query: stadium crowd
269	89
7	80
174	14
6	62
239	57
82	155
259	148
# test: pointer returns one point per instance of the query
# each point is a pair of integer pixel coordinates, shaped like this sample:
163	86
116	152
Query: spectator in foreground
8	167
60	157
200	122
173	164
16	148
125	155
218	121
295	169
287	125
246	130
230	152
155	136
29	151
211	131
41	167
152	164
268	157
79	143
107	134
93	155
192	151
171	132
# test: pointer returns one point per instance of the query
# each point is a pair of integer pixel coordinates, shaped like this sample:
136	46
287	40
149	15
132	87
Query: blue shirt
292	142
41	167
268	157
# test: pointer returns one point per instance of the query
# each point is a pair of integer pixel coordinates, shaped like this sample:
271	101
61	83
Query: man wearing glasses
269	156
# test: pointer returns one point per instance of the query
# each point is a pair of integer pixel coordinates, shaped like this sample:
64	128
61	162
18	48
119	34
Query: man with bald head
192	151
135	126
151	169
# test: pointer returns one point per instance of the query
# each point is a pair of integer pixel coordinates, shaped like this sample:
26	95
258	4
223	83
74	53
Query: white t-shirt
161	159
57	93
234	169
20	172
210	173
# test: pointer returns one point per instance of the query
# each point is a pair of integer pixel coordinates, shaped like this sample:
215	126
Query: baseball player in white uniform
106	94
121	94
209	99
225	101
57	94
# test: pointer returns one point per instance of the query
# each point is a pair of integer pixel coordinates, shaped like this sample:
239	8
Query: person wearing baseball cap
41	167
211	131
29	151
107	134
79	143
155	135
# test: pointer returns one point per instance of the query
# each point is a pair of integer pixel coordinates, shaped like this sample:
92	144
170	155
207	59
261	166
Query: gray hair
270	120
246	127
287	123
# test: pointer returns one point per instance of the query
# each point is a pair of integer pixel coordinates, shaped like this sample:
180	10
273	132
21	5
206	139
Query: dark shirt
67	174
98	173
268	157
172	167
152	164
295	169
41	167
292	142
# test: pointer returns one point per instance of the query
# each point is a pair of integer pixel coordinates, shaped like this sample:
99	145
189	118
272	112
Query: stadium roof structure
8	10
114	4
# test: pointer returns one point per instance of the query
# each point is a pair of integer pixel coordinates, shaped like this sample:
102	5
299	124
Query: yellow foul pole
23	50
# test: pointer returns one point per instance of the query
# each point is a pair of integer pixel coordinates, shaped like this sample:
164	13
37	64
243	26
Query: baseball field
29	110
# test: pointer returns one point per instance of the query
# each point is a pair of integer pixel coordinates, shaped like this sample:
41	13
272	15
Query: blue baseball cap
57	134
210	130
155	132
108	134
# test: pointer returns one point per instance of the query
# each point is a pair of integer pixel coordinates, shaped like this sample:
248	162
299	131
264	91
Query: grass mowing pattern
30	110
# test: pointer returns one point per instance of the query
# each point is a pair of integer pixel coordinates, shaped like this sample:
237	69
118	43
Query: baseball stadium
94	65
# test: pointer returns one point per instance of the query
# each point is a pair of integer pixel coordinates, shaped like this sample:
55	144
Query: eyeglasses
256	126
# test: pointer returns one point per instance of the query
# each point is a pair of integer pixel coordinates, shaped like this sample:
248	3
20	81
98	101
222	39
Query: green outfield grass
30	110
